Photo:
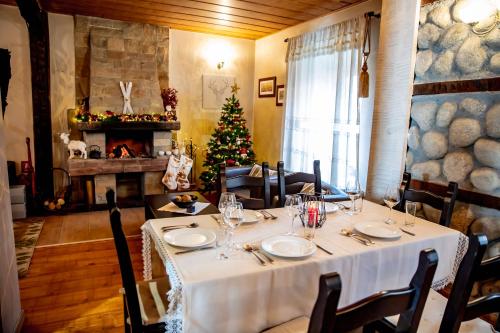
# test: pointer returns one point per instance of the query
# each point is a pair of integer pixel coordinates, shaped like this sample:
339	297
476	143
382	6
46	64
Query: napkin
171	207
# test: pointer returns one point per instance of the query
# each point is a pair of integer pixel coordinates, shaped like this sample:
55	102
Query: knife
194	250
322	248
407	232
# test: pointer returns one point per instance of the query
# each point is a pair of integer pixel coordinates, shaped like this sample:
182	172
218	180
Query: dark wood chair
145	302
252	192
448	316
293	183
408	302
443	203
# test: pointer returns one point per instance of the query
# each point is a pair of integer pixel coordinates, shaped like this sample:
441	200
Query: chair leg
128	329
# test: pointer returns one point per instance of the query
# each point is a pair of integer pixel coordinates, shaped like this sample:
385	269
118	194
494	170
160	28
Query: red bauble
230	162
243	151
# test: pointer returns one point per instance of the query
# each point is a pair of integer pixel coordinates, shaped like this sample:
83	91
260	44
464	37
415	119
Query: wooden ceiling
251	19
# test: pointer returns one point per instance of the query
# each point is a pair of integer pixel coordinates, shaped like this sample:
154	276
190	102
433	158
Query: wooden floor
88	226
74	287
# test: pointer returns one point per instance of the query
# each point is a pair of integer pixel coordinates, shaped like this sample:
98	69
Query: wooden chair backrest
126	268
261	185
408	302
471	269
444	203
287	184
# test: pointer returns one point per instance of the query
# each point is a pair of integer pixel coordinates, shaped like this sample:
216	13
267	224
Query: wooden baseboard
20	322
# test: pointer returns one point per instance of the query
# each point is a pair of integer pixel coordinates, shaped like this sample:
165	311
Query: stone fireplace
107	52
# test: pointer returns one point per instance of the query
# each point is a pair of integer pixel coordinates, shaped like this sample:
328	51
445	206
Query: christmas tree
230	143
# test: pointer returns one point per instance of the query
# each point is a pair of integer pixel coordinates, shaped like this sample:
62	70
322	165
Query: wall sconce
218	53
483	15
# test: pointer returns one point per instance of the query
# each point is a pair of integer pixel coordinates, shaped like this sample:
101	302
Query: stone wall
456	137
449	50
108	51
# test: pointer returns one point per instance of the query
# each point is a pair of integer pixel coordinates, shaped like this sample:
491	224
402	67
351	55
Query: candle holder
314	207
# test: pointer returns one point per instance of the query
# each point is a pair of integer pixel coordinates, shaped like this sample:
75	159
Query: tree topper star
235	88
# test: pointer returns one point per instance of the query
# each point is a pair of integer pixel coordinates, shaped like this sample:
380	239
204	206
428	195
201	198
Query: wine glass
233	216
391	198
226	198
293	205
353	190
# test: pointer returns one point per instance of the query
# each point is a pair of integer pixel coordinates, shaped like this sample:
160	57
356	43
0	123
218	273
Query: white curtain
321	112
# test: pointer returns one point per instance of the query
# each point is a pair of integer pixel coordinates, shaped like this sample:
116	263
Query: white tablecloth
239	295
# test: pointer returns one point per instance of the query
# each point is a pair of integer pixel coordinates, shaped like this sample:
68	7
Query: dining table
239	294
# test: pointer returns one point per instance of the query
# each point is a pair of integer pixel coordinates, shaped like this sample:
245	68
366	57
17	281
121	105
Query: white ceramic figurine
74	145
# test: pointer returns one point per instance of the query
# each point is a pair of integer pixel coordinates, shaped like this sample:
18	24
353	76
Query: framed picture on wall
280	95
267	87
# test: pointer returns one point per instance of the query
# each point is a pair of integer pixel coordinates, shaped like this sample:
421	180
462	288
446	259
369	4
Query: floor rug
26	235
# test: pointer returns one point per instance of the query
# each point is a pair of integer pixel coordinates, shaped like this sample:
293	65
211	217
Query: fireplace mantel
91	167
99	126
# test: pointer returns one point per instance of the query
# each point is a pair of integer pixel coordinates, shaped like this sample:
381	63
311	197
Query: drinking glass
391	198
353	190
411	211
233	216
310	218
293	205
221	242
226	198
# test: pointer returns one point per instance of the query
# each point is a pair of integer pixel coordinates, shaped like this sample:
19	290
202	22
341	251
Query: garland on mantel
85	116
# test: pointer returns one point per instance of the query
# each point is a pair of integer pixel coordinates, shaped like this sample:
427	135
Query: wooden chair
458	314
444	203
145	302
259	196
409	302
294	182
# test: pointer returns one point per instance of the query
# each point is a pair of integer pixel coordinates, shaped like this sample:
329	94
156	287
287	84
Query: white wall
62	84
19	113
270	54
10	303
188	61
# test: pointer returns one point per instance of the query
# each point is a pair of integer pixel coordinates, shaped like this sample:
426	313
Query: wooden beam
467	196
38	29
450	87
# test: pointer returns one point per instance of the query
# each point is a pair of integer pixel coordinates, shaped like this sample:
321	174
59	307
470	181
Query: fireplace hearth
129	144
131	176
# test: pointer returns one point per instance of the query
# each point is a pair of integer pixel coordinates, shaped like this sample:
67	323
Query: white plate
189	237
288	246
251	216
331	207
378	229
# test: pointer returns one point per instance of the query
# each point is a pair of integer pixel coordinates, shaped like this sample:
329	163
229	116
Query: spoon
170	227
249	248
257	248
348	233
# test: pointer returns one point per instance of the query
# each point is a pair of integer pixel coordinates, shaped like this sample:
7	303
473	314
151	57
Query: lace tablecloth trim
463	245
173	318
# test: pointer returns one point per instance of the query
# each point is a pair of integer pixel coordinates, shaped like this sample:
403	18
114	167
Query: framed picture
267	87
216	88
280	95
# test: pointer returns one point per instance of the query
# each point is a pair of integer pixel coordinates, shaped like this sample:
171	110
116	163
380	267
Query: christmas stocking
186	165
169	179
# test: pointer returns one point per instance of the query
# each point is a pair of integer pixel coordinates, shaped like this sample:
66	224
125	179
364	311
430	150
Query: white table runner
239	295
